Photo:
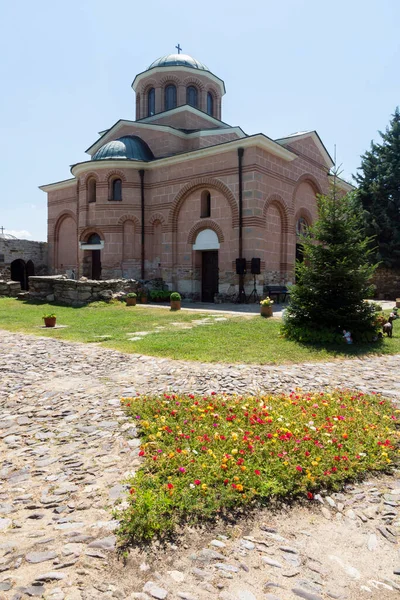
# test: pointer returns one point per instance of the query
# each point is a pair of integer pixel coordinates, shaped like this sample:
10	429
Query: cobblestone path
66	445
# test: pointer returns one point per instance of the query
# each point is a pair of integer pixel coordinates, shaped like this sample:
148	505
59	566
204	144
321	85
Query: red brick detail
170	79
85	178
305	214
203	182
133	218
193	81
87	232
60	218
277	200
115	174
200	226
307	178
157	217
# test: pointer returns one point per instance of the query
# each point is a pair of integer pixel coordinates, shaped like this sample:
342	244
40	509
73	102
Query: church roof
128	147
178	60
7	236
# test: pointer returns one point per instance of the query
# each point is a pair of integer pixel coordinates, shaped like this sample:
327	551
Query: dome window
151	102
91	190
205	201
210	104
170	97
191	96
116	190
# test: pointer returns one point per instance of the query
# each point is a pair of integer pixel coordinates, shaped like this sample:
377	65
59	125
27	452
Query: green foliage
379	193
131	295
175	296
267	301
207	456
49	316
334	278
159	295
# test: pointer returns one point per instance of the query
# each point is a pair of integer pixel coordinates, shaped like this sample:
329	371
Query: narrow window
91	190
191	96
94	239
151	102
116	189
210	104
170	97
205	209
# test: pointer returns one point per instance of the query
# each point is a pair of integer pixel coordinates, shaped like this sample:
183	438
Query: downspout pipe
242	295
142	256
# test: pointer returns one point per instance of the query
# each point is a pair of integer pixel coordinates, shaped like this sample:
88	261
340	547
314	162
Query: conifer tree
333	280
379	193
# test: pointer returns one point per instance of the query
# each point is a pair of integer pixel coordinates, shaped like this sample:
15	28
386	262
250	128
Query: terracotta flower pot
131	301
50	321
175	305
143	299
266	311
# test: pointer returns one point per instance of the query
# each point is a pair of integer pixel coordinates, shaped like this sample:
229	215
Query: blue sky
67	67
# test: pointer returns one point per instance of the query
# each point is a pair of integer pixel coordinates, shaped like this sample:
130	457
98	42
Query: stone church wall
387	282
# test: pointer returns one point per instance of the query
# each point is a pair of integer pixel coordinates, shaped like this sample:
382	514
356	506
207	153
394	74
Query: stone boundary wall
12	249
73	292
10	288
387	283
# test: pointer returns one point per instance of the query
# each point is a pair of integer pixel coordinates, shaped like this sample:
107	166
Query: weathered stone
38	557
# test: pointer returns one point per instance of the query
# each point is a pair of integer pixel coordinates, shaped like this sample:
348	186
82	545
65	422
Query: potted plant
143	297
175	299
266	307
49	320
131	299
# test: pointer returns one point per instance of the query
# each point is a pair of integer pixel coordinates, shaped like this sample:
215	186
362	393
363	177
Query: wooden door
96	264
209	277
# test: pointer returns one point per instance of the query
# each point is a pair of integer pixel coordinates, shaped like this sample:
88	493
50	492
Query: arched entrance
18	273
207	243
92	256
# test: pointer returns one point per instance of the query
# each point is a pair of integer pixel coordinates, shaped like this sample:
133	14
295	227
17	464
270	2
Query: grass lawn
241	339
207	456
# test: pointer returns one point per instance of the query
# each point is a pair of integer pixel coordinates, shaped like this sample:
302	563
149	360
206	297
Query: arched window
191	96
170	97
205	208
94	238
116	189
91	190
210	104
151	102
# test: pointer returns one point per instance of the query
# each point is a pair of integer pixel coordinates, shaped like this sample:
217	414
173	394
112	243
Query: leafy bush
159	295
49	316
205	456
131	295
175	296
267	301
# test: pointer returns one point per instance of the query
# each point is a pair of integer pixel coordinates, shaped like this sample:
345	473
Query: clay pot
266	311
143	299
175	305
131	301
50	321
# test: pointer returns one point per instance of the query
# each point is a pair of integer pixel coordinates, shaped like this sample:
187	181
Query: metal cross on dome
178	48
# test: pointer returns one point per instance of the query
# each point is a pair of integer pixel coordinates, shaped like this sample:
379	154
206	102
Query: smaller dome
7	236
128	147
178	60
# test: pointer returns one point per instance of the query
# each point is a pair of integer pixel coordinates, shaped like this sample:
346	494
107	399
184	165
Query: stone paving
66	445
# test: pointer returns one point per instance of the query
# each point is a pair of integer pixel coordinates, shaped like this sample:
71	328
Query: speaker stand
254	297
241	297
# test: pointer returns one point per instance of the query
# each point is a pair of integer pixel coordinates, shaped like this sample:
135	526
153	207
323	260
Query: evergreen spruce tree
334	278
379	193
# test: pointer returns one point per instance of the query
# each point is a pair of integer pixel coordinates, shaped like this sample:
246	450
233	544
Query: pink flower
299	468
182	469
197	482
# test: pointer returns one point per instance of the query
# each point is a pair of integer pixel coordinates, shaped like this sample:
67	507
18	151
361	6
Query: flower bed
205	456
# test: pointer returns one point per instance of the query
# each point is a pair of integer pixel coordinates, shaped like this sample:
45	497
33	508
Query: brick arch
213	91
190	80
200	226
115	173
305	214
196	184
85	233
278	201
306	178
147	85
87	176
170	79
63	215
133	218
157	217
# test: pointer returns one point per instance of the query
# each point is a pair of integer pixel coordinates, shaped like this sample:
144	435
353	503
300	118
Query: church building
178	193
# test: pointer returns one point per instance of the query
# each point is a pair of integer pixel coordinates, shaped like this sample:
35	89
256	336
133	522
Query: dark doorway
96	264
209	275
30	271
18	272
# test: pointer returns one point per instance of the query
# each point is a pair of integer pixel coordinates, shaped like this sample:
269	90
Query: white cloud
21	234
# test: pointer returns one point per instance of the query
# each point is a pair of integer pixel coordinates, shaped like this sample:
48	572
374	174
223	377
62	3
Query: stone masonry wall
387	283
9	288
12	249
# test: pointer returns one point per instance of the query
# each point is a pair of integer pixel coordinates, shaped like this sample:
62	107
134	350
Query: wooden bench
277	291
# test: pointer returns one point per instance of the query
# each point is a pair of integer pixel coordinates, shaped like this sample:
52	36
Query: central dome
128	147
178	60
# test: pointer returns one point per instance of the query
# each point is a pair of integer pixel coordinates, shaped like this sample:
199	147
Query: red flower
299	468
226	481
257	472
170	486
310	496
141	453
197	482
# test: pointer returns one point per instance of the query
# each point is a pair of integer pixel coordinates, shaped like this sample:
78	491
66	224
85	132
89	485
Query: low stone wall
71	292
387	282
9	288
